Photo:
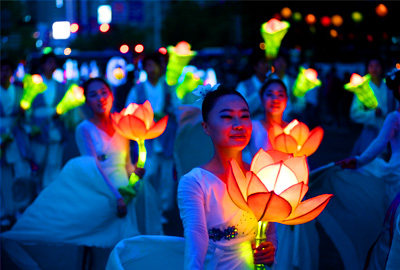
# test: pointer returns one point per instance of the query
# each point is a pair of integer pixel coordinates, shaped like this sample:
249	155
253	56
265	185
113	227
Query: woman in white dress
218	235
82	206
388	173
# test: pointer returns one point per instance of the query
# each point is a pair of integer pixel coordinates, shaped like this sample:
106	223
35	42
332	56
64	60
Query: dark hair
46	56
393	82
7	62
256	56
156	57
86	84
212	97
268	83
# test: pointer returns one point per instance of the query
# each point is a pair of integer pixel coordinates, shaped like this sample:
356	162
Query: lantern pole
261	237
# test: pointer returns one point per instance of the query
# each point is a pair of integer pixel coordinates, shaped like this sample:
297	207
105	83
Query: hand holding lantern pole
135	122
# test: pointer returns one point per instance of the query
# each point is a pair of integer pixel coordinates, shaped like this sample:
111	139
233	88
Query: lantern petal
312	143
132	127
148	114
260	160
286	143
269	206
158	128
299	167
278	156
277	177
300	133
234	190
295	194
308	210
123	132
273	131
255	185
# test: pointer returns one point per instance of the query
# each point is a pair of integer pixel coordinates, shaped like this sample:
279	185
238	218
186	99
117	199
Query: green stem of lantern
128	192
261	237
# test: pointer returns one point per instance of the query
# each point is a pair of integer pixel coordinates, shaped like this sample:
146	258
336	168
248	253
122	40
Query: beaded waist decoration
217	234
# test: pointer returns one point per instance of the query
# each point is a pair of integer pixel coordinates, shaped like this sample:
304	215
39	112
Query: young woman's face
375	68
229	124
99	97
275	99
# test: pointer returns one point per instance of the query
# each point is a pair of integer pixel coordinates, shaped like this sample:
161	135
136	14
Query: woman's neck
273	118
219	164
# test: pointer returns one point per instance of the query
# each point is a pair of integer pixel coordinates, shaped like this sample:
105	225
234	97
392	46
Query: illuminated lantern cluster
296	138
360	86
179	57
273	32
33	85
190	82
136	122
73	98
306	80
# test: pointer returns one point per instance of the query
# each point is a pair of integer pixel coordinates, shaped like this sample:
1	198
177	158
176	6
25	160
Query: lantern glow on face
274	188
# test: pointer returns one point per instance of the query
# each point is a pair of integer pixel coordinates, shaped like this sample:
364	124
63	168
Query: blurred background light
74	28
310	19
357	16
61	30
286	12
381	10
104	14
139	48
104	27
337	20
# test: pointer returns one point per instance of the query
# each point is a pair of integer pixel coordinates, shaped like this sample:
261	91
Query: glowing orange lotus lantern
33	85
273	190
360	86
73	98
136	122
306	80
296	138
179	57
273	32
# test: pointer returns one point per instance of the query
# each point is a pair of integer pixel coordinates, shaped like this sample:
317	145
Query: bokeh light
74	28
124	48
337	20
139	48
357	16
310	19
104	27
381	10
163	50
67	51
262	46
297	16
325	21
286	12
333	33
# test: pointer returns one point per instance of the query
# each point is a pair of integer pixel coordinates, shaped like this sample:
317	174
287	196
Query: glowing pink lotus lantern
306	80
273	32
179	57
136	122
360	86
33	85
274	189
73	98
296	138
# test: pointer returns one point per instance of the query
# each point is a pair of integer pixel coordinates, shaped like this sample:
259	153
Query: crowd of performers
73	202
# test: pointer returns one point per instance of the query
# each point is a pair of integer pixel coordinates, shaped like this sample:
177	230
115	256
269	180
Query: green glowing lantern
179	57
73	98
190	82
273	32
306	80
360	86
33	85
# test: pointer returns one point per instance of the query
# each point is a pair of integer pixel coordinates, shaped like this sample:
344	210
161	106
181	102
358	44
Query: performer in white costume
82	205
218	235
